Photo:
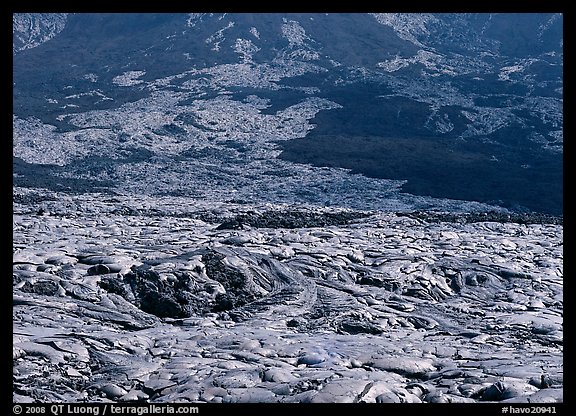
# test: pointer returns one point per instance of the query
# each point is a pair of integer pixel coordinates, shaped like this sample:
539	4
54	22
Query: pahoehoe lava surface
287	208
112	305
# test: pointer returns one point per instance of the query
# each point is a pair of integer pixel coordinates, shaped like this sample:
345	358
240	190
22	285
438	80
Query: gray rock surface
384	308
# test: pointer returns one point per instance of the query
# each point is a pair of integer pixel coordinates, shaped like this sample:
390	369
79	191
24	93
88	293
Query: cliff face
33	29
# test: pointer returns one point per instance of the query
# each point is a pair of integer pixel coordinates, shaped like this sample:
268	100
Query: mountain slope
196	91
